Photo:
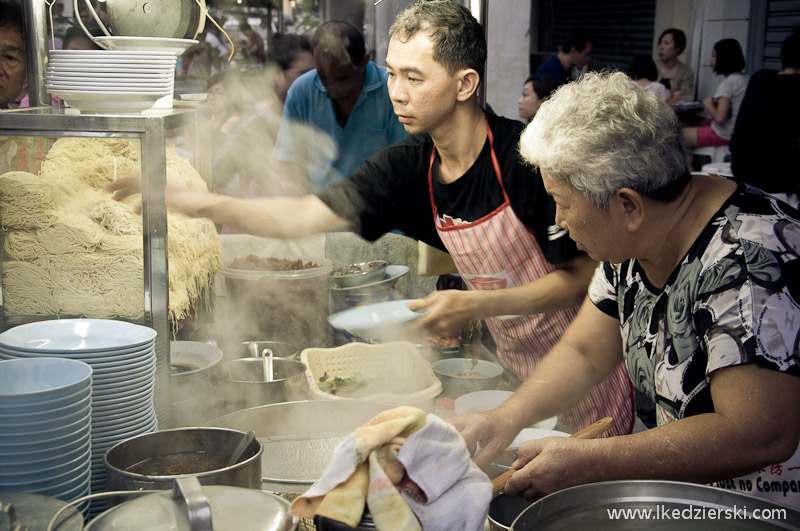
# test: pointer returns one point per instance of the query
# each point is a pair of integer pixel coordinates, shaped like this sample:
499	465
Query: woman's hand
551	464
484	432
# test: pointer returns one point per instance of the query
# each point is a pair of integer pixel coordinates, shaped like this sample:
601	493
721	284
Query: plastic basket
398	367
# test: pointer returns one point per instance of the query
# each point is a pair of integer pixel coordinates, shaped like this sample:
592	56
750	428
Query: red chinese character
776	470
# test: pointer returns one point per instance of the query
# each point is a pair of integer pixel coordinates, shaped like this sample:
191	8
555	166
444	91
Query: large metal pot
152	461
34	511
299	437
588	506
239	384
190	507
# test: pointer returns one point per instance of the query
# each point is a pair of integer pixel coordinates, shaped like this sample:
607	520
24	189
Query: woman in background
535	90
726	59
672	73
644	73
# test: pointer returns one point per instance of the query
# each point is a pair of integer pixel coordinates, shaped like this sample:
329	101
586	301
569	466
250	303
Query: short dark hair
336	34
678	36
283	47
543	84
790	50
458	38
11	15
577	39
730	58
643	67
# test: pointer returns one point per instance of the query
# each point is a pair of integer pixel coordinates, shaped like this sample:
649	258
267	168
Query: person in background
76	39
696	294
644	73
672	73
457	184
727	59
573	53
13	77
292	53
535	90
765	147
345	97
253	44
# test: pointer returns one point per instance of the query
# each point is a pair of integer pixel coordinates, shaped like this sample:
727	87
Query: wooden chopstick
589	432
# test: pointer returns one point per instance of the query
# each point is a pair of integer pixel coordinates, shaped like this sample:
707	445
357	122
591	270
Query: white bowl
23	425
31	381
145	44
481	400
84	335
530	434
194	353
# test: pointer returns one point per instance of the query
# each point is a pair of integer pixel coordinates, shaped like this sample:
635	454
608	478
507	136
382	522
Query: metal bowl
358	274
459	376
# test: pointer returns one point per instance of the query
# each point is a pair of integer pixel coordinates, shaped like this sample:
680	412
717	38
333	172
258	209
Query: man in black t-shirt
457	183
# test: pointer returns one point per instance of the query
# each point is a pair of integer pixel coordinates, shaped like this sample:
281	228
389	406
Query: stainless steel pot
34	511
299	437
152	461
239	384
587	507
192	507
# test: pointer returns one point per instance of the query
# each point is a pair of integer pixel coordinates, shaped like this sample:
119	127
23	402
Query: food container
589	506
153	460
391	373
358	274
239	384
465	375
190	507
289	305
191	363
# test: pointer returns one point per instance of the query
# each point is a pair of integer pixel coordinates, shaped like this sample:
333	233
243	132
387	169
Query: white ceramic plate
101	81
32	381
120	90
97	63
98	359
146	44
530	434
362	319
87	335
109	102
101	70
110	54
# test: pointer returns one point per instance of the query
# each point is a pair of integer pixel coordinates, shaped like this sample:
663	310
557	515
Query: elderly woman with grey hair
696	291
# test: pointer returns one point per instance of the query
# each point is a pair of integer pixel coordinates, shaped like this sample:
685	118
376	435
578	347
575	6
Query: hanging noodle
70	248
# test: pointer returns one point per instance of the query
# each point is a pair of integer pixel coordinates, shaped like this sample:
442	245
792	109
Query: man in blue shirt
574	52
345	97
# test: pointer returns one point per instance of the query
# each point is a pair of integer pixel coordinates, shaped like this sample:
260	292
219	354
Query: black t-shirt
391	192
765	147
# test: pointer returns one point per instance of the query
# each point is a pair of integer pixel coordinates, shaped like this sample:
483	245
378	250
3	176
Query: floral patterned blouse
734	299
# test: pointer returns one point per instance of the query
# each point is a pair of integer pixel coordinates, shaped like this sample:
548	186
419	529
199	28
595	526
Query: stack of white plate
45	427
122	356
111	80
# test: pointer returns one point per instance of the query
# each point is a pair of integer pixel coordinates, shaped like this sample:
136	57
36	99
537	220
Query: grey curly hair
602	133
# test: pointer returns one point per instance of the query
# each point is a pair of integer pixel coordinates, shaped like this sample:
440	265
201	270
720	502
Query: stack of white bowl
111	80
123	357
45	427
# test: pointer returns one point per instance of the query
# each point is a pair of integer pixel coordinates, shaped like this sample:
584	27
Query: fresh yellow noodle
70	248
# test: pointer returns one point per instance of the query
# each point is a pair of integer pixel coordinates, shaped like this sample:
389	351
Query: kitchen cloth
413	471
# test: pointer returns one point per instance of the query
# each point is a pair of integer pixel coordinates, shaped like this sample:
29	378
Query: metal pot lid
34	511
230	508
176	19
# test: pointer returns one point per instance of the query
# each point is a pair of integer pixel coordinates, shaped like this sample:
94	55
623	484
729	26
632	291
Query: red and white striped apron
498	251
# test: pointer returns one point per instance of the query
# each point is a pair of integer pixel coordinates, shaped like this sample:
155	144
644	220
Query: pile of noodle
69	248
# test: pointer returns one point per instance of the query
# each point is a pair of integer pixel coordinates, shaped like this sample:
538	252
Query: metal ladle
266	358
243	444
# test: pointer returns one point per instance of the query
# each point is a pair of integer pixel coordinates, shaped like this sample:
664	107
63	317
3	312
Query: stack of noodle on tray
70	248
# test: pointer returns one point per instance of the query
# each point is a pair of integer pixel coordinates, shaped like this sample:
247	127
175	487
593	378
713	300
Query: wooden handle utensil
589	432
